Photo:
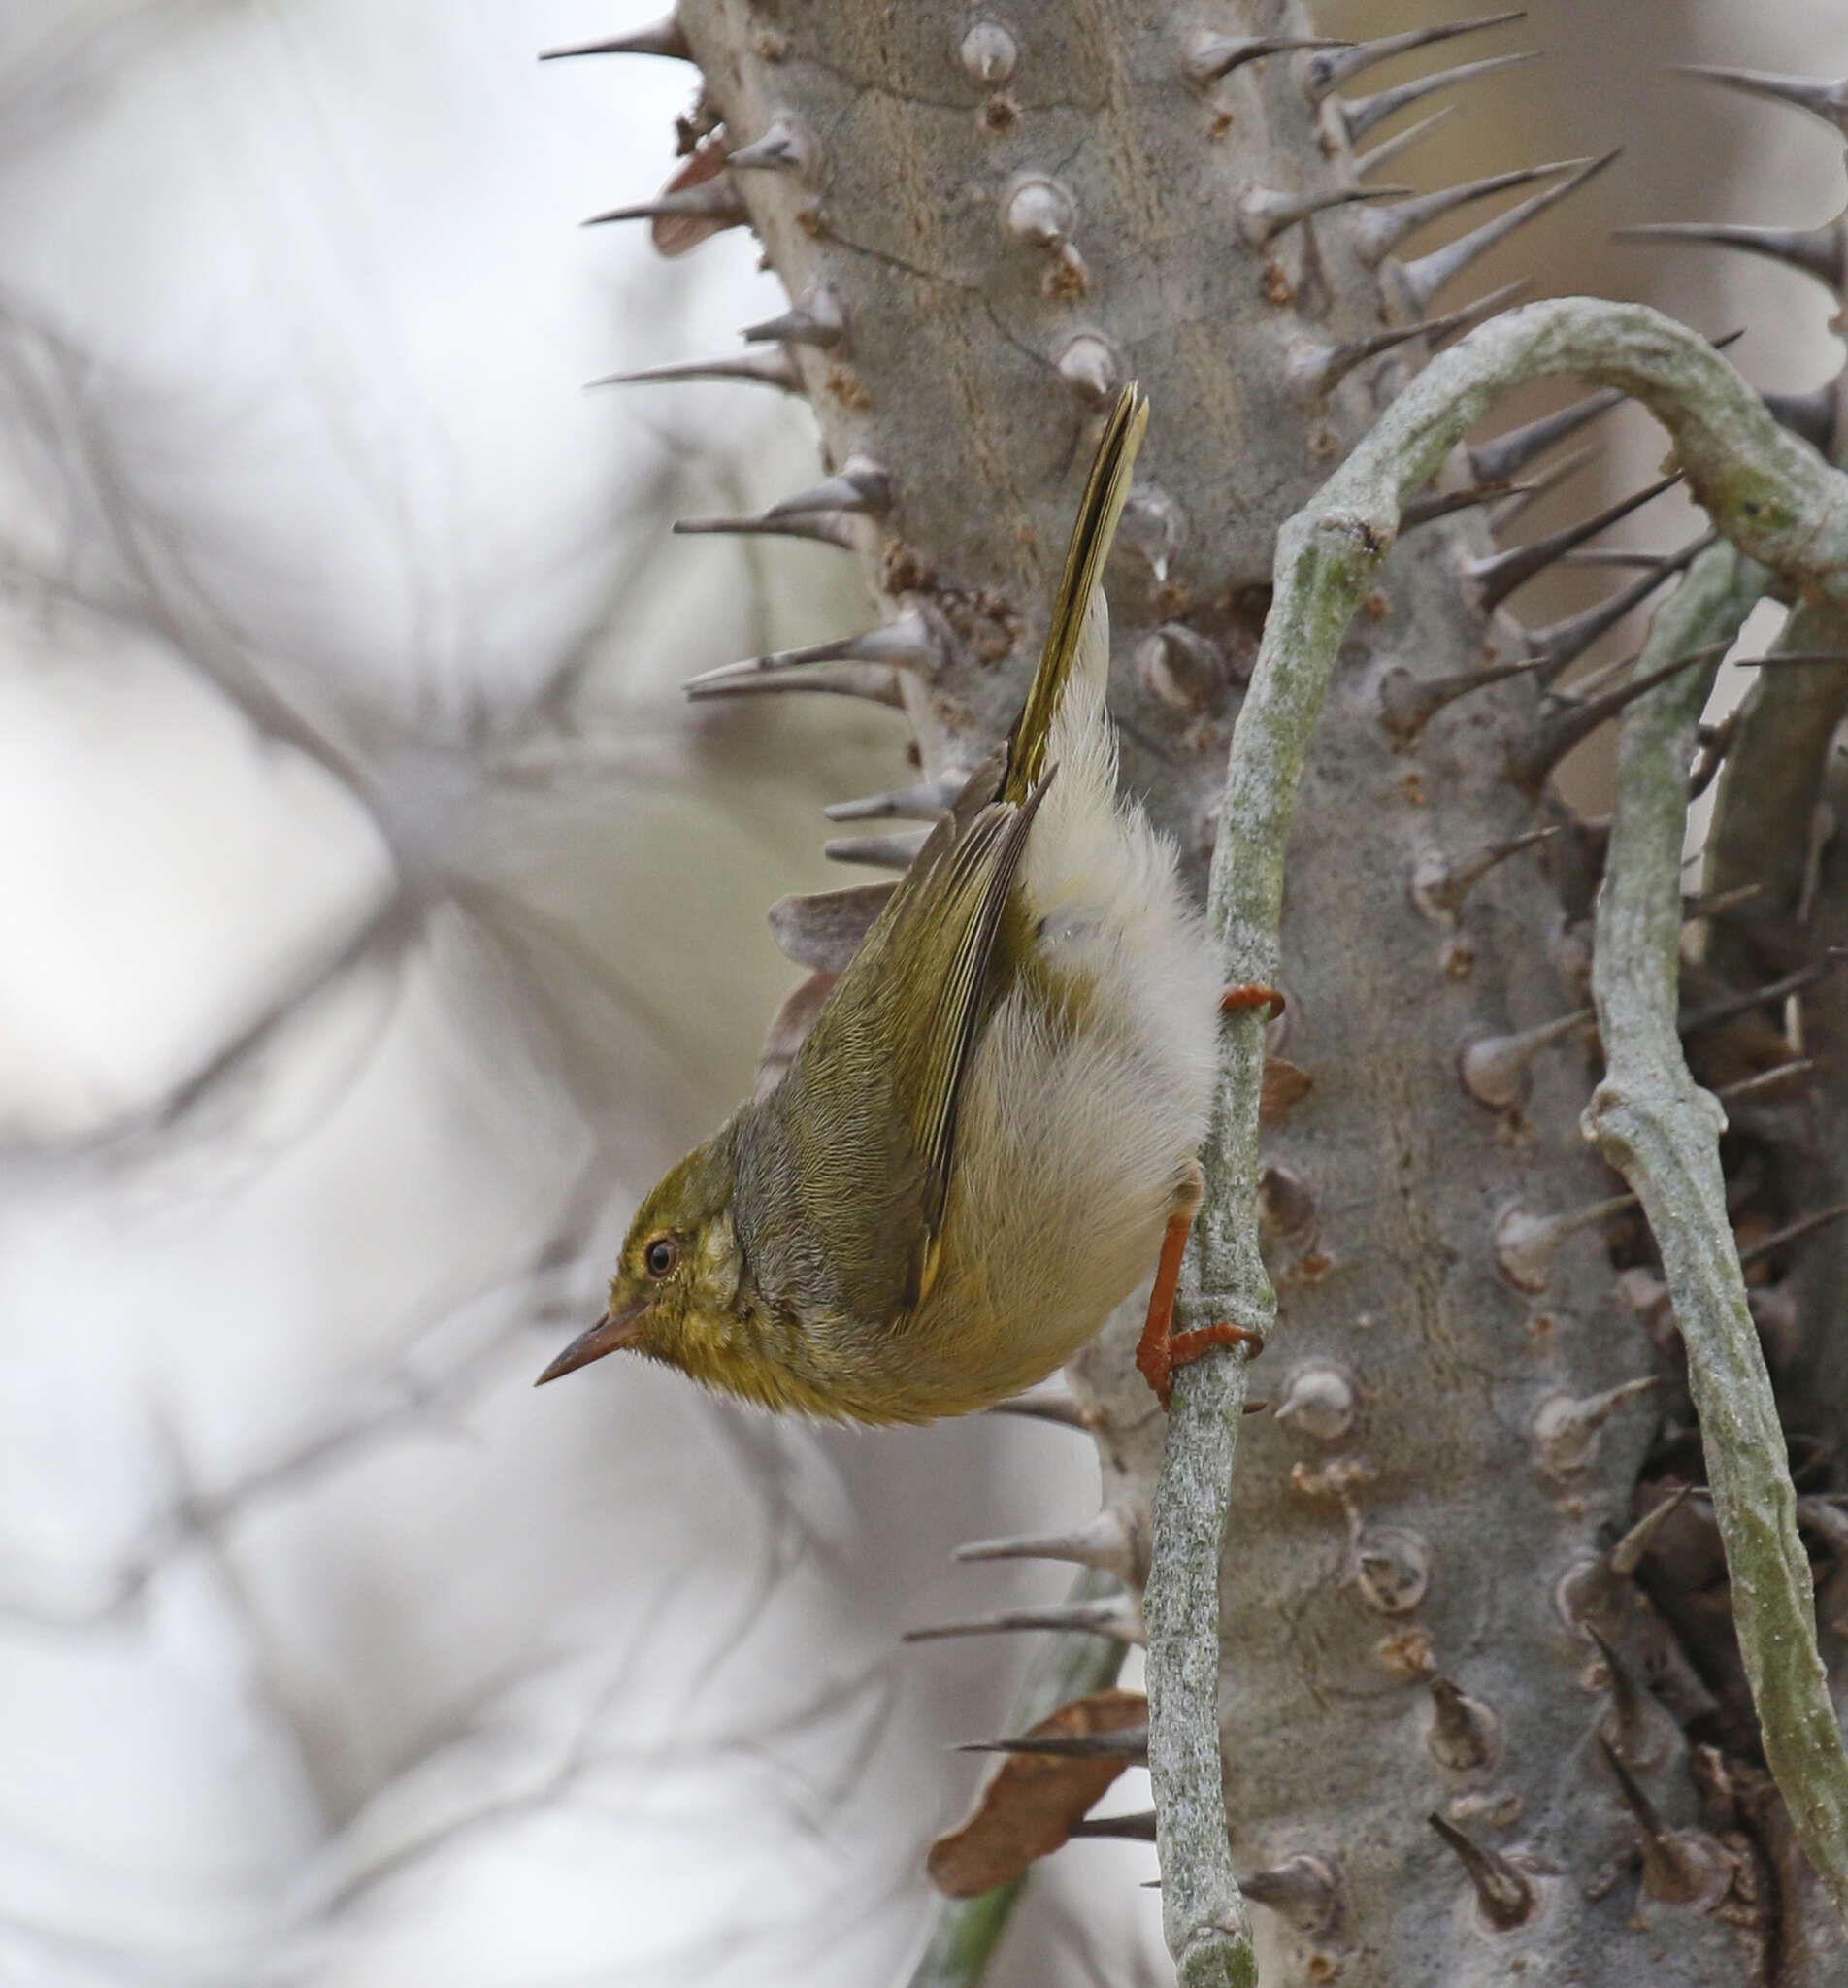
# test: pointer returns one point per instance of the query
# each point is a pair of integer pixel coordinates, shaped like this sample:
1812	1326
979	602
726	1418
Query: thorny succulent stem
1661	1132
1770	493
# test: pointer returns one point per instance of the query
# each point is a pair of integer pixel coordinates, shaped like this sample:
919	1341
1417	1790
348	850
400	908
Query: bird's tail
1105	495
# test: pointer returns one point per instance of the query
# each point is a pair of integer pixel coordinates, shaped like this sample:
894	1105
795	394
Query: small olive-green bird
987	1136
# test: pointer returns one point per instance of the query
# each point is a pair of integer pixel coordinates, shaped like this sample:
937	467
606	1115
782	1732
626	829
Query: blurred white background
377	921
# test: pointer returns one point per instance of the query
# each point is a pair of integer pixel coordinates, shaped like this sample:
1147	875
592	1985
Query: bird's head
674	1296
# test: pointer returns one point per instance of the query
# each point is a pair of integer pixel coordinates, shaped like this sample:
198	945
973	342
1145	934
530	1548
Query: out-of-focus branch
1661	1131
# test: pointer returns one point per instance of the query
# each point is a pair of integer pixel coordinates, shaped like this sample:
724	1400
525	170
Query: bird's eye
661	1256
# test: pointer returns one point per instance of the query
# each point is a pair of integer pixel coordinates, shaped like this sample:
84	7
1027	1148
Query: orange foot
1161	1348
1252	994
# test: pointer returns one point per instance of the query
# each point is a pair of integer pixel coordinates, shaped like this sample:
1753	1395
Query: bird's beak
612	1330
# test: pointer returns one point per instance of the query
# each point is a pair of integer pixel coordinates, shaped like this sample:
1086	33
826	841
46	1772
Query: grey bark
989	225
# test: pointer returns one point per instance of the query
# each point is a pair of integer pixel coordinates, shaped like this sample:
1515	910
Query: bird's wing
869	1109
963	902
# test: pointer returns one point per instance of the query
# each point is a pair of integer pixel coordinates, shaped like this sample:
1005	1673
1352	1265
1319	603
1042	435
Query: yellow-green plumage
972	1156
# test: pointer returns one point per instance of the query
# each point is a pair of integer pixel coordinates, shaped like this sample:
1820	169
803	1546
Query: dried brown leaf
673	234
1028	1808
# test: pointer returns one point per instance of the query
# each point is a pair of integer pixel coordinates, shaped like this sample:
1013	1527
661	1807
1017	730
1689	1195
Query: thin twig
1661	1131
1763	489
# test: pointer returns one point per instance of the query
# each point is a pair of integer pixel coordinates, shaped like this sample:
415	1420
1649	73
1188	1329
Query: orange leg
1161	1348
1252	994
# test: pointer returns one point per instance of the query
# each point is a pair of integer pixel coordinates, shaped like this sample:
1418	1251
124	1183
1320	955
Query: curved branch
1767	492
1661	1131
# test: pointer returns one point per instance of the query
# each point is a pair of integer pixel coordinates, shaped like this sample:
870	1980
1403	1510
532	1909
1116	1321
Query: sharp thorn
1426	275
1215	56
786	147
1793	658
818	318
1525	1244
1182	668
823	527
1360	114
1129	1745
1407	703
924	802
1536	487
1820	252
1828	101
1505	456
1497	1070
1439	887
1736	1004
863	486
1113	1615
1499	576
1635	1799
1306	1890
1630	1730
1533	759
710	200
1264	214
1318	369
1768	1245
872	683
1107	1543
907	644
877	851
1567	1427
1560	643
1719	902
1678	1865
1424	510
1378	235
1748	1087
1329	71
1510	499
1132	1829
1627	1555
1503	1894
1050	1405
663	37
761	369
1383	153
1619	557
1464	1734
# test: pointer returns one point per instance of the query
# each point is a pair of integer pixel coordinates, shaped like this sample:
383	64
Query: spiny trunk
986	225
